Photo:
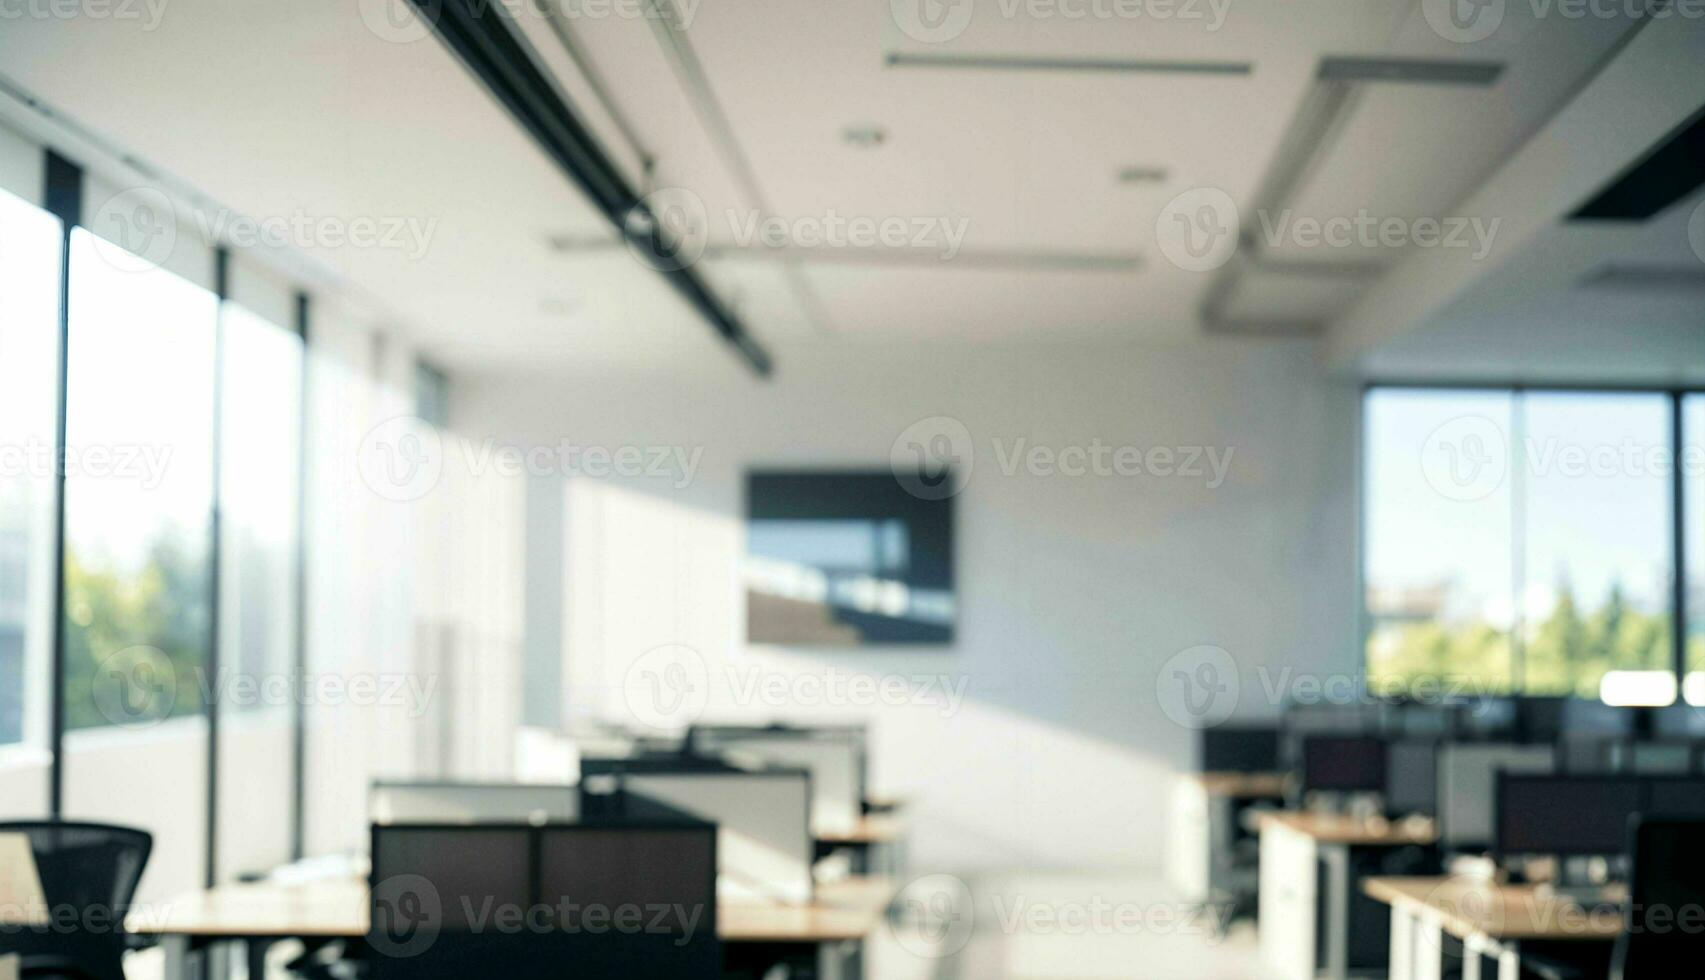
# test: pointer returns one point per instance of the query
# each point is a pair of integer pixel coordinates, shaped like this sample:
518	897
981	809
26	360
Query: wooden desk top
1469	907
1333	829
851	908
1244	785
336	908
874	828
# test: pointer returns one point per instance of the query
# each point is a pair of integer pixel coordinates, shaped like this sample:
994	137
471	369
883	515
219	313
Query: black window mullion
299	654
215	576
1678	518
62	196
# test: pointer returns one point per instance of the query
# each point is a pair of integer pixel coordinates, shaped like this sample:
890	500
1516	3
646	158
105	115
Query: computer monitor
1565	816
460	803
1592	754
1343	764
1583	716
1678	721
764	846
1467	787
1488	718
1540	719
1302	720
1240	749
1676	797
1411	777
1661	758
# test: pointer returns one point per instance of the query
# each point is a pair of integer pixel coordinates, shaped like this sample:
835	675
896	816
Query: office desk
1204	826
1314	921
1493	922
843	913
874	843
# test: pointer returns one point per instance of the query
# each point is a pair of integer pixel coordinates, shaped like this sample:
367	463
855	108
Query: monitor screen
1676	797
1566	815
1239	750
1411	778
1343	764
1590	717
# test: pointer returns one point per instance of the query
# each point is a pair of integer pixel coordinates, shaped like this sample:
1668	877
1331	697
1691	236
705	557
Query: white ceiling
277	109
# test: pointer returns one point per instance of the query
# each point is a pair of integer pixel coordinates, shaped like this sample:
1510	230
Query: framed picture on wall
846	558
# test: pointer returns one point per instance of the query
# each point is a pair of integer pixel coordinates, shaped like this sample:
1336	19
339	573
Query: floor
1056	927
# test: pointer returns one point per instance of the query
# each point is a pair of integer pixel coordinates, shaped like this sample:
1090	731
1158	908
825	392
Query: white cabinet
1289	886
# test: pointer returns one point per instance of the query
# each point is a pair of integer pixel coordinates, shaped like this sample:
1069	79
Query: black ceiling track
1671	171
479	33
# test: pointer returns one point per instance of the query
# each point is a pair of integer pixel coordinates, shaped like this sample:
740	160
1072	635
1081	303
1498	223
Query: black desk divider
626	890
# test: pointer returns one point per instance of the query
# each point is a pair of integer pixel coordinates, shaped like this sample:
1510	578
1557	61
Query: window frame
1675	395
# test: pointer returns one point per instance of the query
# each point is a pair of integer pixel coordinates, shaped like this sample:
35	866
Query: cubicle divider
764	844
627	888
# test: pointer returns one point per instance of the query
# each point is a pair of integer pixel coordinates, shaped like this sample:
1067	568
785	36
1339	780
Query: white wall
1073	591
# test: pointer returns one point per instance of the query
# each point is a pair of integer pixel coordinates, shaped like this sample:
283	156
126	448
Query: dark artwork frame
899	592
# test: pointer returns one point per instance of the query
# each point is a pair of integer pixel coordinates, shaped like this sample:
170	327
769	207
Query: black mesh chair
1669	875
90	870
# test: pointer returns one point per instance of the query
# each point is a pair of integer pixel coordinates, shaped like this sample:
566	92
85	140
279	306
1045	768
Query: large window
29	375
1523	540
260	396
138	490
138	540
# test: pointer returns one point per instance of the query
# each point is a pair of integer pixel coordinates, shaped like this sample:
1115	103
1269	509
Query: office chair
92	868
1669	872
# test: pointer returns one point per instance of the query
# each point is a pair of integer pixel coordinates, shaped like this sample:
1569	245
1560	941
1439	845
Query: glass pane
259	460
1437	491
138	495
1693	466
1596	538
29	403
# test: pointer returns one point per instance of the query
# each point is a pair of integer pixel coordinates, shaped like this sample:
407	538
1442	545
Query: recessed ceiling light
1139	174
865	137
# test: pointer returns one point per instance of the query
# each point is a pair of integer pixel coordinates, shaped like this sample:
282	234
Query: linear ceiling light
1014	62
478	32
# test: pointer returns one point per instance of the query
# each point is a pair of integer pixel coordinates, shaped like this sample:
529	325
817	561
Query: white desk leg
1509	962
1402	945
177	953
1429	949
1473	959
